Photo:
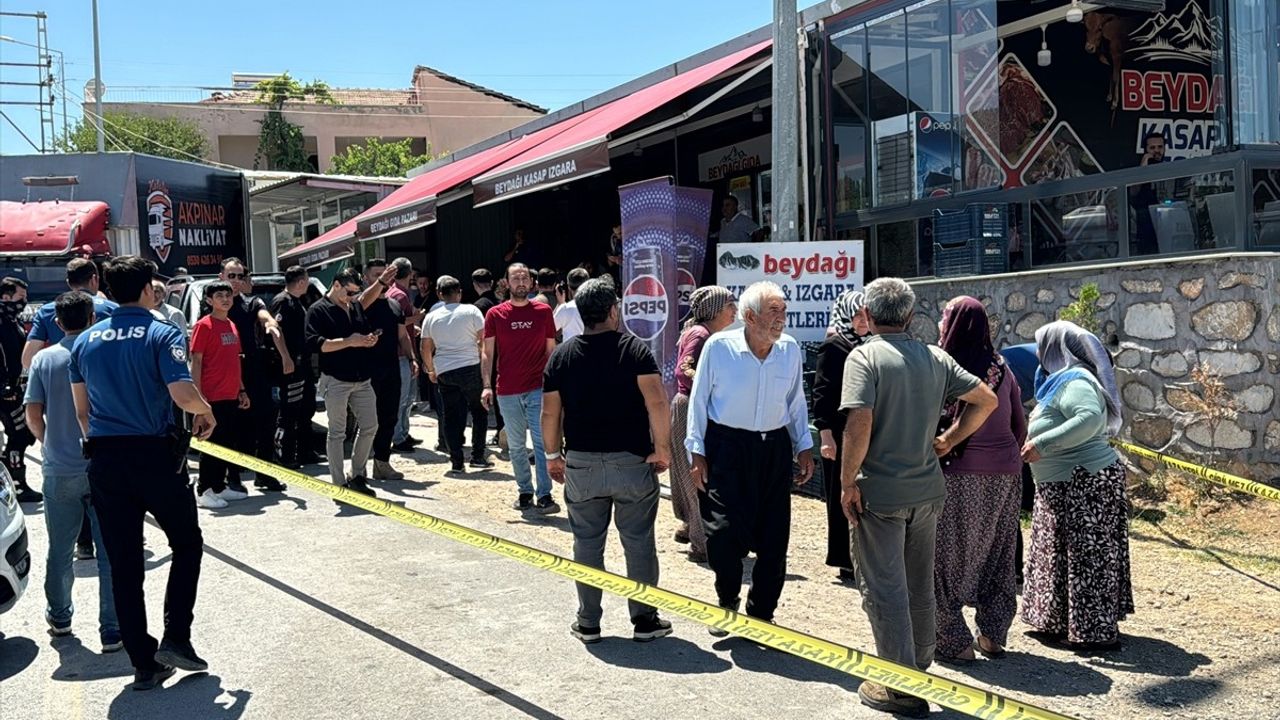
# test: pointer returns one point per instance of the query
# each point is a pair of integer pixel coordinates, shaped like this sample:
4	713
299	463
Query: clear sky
548	52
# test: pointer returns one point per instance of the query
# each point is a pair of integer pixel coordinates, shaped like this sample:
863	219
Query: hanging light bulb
1044	57
756	115
1075	13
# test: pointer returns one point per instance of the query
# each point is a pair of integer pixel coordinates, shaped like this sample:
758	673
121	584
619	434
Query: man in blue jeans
523	333
51	415
613	451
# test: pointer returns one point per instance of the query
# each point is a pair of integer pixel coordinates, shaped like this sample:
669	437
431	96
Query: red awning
54	227
583	150
413	204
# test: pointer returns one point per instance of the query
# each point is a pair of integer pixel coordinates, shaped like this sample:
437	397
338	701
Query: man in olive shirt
894	389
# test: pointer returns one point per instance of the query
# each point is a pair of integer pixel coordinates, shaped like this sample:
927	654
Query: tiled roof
478	88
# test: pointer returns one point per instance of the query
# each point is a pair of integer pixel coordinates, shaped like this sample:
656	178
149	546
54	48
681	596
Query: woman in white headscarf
846	333
711	309
1077	578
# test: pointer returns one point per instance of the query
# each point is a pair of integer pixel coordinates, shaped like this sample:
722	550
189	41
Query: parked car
15	559
187	293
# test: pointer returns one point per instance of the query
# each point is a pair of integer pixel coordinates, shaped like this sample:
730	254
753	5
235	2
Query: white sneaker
231	493
210	500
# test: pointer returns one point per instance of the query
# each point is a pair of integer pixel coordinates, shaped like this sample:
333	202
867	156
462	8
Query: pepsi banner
664	231
811	274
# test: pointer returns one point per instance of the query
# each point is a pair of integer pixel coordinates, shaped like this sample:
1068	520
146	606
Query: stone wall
1159	319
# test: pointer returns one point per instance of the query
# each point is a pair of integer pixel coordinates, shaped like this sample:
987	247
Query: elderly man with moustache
748	427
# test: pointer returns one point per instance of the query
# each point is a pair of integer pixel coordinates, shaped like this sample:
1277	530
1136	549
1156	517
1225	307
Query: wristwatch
553	456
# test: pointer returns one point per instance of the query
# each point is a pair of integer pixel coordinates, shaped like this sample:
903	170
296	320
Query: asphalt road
308	610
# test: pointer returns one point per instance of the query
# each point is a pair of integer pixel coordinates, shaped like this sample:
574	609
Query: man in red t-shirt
215	369
524	334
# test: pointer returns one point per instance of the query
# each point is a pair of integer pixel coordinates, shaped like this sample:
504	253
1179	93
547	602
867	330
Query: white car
15	559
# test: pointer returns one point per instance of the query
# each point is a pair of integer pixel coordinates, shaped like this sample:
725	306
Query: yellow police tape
947	693
1234	482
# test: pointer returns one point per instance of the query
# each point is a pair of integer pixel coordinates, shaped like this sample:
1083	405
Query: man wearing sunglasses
256	326
340	333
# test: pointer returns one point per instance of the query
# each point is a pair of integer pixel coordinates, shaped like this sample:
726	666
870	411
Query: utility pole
786	123
97	83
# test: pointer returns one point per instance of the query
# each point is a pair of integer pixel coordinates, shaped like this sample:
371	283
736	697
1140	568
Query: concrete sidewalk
308	610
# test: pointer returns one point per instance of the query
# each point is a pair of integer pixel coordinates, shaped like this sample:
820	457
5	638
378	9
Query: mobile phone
377	332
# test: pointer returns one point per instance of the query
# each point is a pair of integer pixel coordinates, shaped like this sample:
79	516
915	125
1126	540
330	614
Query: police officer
124	372
297	389
17	436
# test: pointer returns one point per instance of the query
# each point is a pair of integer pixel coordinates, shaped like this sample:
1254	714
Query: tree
1084	310
128	132
280	141
375	157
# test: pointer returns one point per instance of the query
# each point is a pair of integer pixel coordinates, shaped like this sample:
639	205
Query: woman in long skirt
846	332
978	528
712	309
1077	580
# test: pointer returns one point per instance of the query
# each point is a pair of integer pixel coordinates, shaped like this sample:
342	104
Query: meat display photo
1025	110
1061	157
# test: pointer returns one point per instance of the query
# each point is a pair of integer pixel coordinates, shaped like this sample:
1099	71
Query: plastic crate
972	241
976	220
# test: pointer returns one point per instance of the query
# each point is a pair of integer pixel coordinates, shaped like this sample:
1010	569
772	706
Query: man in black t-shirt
386	318
612	450
256	326
297	389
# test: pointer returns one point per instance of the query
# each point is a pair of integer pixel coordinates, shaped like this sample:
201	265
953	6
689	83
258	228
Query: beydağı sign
811	274
544	173
401	219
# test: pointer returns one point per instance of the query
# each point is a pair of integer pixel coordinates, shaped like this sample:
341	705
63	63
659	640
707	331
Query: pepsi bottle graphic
647	307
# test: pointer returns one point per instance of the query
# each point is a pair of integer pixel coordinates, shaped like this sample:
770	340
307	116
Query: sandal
965	657
993	652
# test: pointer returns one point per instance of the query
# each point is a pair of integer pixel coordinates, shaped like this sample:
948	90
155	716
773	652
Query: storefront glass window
1075	228
929	91
349	207
287	230
1183	214
895	251
1254	72
849	119
977	101
1266	207
891	166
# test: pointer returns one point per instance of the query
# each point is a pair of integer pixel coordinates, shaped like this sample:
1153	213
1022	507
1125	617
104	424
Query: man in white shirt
452	343
747	422
735	225
568	319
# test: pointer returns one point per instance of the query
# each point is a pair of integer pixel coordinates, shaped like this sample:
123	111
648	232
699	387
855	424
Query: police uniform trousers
746	507
259	439
297	406
128	478
17	438
386	391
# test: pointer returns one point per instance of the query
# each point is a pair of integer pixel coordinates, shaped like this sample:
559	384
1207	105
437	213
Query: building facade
439	113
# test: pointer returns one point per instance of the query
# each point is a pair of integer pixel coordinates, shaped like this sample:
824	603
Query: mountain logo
1189	35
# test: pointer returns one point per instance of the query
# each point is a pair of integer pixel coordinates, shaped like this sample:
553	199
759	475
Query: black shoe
85	552
480	463
405	445
651	628
270	485
547	506
413	441
441	448
360	485
457	469
717	632
149	679
238	486
588	635
180	655
27	495
524	502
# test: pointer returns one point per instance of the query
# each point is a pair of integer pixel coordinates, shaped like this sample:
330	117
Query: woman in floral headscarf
846	333
711	309
978	528
1077	580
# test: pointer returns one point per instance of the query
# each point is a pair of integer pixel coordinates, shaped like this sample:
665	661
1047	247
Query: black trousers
839	554
130	477
460	390
228	432
17	438
747	508
259	438
386	389
297	407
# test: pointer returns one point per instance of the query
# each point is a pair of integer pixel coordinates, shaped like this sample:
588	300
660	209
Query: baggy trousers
297	406
745	508
130	477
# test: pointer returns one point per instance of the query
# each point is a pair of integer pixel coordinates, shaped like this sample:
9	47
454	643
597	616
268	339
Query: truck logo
160	221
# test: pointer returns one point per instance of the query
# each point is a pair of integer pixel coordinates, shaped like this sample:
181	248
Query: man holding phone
339	332
387	322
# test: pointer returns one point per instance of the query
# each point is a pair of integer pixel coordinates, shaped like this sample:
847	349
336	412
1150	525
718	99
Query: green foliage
280	142
128	132
375	157
1084	310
